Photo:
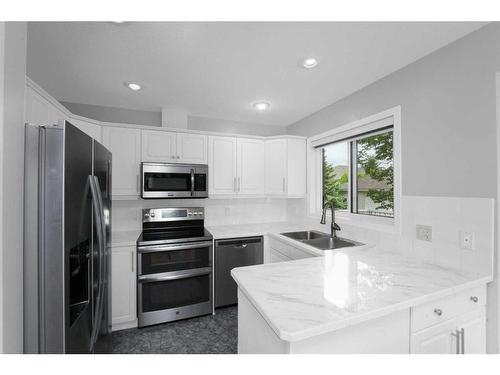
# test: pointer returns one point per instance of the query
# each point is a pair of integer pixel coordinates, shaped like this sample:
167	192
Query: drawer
276	257
431	313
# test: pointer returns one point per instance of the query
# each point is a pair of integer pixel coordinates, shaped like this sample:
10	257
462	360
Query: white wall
447	117
13	72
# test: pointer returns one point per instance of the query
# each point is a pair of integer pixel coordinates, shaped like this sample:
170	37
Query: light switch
424	233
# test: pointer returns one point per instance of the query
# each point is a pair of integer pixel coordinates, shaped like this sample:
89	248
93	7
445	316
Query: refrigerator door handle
101	241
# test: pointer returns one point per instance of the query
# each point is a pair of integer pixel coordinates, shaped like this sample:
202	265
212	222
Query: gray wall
226	126
112	114
13	72
448	117
149	118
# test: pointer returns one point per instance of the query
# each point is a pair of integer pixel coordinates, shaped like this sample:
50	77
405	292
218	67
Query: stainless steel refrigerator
67	254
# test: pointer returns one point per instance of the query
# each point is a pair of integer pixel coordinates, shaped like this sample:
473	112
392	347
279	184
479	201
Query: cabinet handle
283	184
462	340
474	299
173	156
239	185
132	256
138	183
438	312
456	334
178	157
234	184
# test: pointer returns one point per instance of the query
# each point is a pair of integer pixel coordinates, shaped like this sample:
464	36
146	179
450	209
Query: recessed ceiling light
133	86
261	106
310	63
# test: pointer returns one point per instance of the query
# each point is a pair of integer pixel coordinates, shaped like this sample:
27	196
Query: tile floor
211	334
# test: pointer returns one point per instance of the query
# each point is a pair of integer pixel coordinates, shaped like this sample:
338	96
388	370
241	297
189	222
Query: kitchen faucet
334	227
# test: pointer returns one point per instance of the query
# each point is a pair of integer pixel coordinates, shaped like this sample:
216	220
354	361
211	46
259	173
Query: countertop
124	238
251	230
308	297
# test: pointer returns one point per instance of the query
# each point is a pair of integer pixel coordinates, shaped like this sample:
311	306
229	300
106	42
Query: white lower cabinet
452	325
281	251
123	287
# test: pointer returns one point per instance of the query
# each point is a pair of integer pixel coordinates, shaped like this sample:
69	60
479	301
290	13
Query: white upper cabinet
125	145
236	166
285	166
222	166
88	128
276	166
192	148
168	147
40	111
159	146
250	166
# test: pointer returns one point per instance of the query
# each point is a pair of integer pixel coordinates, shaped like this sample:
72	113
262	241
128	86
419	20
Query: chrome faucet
334	227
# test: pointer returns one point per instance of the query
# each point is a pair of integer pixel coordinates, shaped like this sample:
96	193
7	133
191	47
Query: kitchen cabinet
222	166
170	147
125	145
285	167
40	111
123	287
236	167
282	251
250	166
452	325
88	128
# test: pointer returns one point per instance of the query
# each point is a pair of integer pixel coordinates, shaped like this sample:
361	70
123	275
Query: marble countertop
124	238
308	297
250	230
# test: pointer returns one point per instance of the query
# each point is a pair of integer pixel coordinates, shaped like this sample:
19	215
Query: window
358	173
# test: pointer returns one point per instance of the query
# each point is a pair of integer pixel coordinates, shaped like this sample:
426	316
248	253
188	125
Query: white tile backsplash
447	216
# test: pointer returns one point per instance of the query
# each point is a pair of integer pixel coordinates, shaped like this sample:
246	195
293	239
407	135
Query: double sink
320	240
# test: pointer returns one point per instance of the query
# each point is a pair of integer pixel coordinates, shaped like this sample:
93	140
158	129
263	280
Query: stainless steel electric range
175	268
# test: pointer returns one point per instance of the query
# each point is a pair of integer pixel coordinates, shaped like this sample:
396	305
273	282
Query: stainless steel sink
305	235
328	243
320	240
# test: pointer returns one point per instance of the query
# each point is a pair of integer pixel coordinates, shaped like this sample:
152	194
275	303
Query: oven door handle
192	182
167	276
157	249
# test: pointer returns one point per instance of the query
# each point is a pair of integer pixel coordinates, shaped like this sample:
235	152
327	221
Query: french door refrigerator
67	263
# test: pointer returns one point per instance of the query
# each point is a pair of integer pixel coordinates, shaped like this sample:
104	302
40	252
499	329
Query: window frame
315	171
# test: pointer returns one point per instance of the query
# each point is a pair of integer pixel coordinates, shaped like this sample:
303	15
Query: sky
336	154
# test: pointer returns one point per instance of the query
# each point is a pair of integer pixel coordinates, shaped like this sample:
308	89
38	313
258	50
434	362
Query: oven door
174	181
174	282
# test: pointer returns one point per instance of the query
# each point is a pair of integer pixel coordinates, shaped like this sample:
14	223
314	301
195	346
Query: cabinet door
296	174
276	166
39	111
123	285
251	165
438	339
474	332
222	165
192	148
125	145
158	146
88	128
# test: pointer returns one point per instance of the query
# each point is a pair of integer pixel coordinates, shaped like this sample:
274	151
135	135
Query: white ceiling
219	69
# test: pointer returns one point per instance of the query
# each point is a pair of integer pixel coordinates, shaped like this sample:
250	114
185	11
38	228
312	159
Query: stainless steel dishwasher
229	254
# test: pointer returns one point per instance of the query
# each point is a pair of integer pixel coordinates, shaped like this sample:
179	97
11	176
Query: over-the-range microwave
170	180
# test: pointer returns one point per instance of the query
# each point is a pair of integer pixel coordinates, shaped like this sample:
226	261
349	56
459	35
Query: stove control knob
146	215
190	214
152	214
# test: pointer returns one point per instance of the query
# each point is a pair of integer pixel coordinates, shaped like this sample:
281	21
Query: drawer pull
438	312
474	299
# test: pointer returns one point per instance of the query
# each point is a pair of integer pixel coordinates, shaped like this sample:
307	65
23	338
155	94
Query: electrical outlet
467	240
424	233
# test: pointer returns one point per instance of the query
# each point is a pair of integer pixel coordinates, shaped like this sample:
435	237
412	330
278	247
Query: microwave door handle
192	182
